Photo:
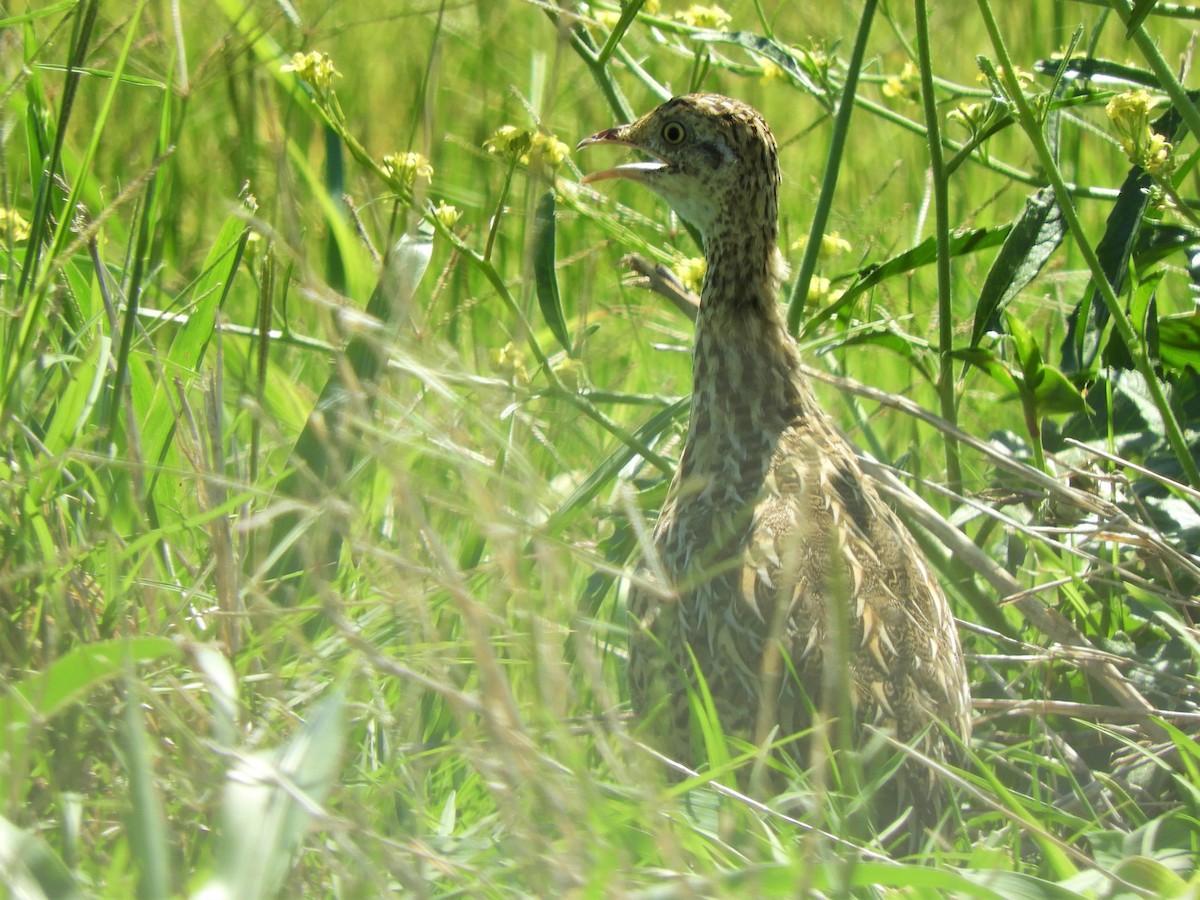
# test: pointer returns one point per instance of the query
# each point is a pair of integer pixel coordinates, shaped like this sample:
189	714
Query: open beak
616	137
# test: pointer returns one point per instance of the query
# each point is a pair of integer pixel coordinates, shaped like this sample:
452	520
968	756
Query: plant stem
833	162
941	211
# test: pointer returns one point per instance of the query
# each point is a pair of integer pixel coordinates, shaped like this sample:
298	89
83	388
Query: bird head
712	158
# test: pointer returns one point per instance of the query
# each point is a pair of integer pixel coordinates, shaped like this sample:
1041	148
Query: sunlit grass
381	649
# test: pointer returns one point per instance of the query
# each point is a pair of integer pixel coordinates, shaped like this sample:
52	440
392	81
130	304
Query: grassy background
380	649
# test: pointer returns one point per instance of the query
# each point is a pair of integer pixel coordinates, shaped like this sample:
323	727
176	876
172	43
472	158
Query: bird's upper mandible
713	159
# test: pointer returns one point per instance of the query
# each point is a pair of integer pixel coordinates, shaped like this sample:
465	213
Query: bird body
792	589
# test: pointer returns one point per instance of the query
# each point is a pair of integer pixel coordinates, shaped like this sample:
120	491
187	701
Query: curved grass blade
269	801
29	869
326	449
545	278
923	254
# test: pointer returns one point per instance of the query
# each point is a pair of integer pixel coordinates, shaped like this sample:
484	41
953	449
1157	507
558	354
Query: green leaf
1087	321
1179	340
270	799
326	446
70	677
608	470
1028	353
1150	875
1056	394
1141	9
768	49
988	362
30	870
1156	241
147	821
1035	235
924	254
543	270
1143	315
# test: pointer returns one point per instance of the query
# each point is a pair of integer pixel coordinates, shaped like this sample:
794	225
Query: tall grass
317	501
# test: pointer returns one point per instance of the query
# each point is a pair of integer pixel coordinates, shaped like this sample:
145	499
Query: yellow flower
1130	114
705	17
905	86
832	244
607	17
446	214
13	226
510	142
571	374
1024	77
691	273
313	68
516	143
772	72
553	151
406	168
509	362
817	288
969	115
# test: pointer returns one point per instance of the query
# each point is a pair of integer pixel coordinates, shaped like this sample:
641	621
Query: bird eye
673	133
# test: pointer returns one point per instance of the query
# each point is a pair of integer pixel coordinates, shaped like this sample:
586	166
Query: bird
775	545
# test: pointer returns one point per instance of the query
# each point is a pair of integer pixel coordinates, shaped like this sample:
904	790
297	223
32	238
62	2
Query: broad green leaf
1143	315
1151	875
69	678
1026	349
270	799
1055	393
1179	340
988	362
1087	321
768	49
1034	237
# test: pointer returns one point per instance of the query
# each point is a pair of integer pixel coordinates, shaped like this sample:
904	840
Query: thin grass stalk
941	214
833	163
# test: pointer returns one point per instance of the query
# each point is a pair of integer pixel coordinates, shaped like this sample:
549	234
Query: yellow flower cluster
509	363
712	17
905	86
1130	114
691	273
446	214
313	68
406	168
13	226
832	244
772	72
516	143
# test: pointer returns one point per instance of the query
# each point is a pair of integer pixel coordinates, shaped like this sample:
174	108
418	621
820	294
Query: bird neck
743	263
746	381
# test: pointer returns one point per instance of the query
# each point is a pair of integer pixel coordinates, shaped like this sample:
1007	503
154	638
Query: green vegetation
330	423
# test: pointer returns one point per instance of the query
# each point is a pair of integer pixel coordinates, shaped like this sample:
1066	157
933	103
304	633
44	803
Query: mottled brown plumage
772	536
